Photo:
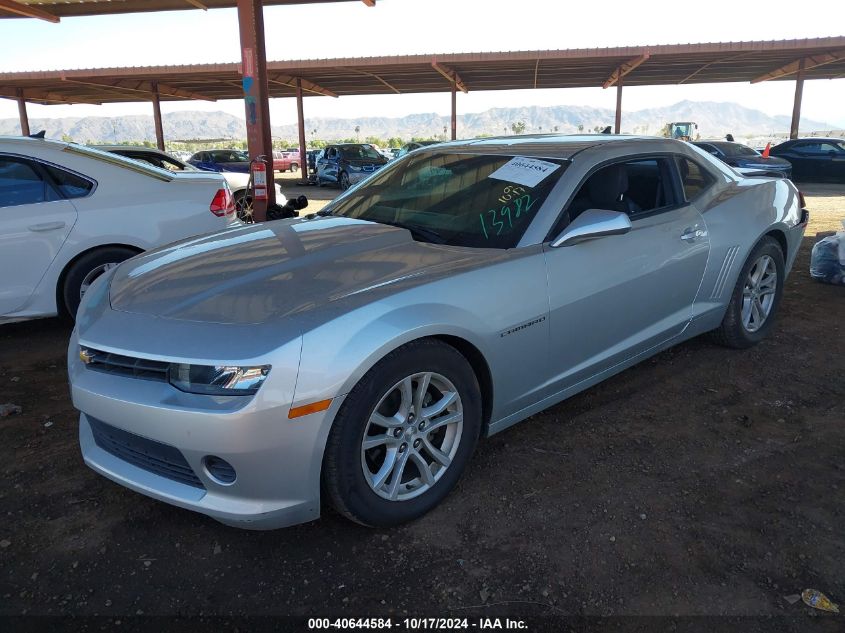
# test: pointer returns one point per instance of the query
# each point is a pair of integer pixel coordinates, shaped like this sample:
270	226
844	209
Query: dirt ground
704	481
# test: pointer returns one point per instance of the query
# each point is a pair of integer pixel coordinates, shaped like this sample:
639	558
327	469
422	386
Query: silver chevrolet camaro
359	353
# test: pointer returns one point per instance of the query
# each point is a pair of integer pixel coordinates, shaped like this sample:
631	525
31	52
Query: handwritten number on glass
522	205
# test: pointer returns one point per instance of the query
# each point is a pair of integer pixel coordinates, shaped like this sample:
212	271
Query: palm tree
357	129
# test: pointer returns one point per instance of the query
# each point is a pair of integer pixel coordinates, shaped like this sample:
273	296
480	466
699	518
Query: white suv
68	213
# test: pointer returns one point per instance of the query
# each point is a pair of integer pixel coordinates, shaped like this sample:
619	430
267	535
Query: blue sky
431	26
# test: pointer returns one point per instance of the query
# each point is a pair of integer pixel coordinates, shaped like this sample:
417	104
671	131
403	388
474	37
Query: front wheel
755	297
344	180
403	436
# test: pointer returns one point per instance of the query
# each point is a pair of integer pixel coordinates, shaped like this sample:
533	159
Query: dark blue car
347	164
814	159
746	158
221	160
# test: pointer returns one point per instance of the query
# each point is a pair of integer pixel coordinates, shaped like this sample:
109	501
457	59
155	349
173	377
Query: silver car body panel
322	300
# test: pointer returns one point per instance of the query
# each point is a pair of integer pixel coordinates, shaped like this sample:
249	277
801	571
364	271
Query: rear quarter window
70	185
694	178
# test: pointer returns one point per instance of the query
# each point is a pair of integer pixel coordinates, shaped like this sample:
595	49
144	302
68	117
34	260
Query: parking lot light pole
796	106
300	121
157	118
256	93
22	113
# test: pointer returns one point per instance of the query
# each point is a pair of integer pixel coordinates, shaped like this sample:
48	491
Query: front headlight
354	168
217	380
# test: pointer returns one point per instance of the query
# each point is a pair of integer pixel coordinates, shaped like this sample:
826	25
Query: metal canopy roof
69	8
823	58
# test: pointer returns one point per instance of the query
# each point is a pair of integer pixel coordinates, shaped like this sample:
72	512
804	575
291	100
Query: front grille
155	457
109	363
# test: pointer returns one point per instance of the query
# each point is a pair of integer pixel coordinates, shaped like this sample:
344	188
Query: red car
286	161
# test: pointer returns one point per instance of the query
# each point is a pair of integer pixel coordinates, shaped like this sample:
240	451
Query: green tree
67	138
580	127
518	127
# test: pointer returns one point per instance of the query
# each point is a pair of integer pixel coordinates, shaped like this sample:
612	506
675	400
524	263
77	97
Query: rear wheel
243	207
85	272
755	297
403	436
344	180
294	167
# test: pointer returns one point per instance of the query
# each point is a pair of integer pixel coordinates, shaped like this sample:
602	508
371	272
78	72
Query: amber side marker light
305	409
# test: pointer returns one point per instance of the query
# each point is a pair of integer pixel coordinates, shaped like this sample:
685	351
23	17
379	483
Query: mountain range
714	119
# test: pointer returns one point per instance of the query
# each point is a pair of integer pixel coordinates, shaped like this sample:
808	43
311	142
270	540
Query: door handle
693	234
46	226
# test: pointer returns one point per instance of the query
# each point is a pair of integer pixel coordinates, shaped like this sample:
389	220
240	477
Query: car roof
821	139
553	145
132	148
28	143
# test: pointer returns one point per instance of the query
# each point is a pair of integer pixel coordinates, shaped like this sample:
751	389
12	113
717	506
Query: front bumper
276	460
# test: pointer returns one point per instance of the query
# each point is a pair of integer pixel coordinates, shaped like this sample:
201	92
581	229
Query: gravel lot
704	481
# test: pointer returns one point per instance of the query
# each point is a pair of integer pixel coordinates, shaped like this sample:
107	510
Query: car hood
240	168
283	269
360	162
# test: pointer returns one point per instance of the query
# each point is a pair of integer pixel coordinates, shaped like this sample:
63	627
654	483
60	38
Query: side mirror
591	224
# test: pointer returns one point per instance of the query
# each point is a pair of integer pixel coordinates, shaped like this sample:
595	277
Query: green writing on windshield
496	221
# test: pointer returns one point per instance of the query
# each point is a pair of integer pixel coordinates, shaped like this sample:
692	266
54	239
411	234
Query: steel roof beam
197	4
451	75
27	11
624	69
310	86
811	61
145	87
375	76
45	96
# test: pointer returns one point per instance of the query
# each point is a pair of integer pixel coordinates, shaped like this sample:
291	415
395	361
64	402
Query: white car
237	180
68	213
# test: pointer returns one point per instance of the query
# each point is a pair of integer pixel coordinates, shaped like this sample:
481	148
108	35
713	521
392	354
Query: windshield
736	149
483	201
360	152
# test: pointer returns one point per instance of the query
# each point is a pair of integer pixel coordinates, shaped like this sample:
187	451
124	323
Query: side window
693	178
634	187
168	164
69	185
20	183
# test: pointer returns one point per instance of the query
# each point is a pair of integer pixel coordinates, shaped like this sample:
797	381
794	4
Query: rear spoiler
758	173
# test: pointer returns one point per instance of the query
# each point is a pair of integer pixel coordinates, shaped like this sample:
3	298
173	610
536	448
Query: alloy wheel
92	276
412	436
758	293
243	209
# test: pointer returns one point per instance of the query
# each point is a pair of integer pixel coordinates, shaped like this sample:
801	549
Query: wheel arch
480	368
70	264
780	237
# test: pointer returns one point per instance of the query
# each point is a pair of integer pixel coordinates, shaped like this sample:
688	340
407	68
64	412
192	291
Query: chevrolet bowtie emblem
85	355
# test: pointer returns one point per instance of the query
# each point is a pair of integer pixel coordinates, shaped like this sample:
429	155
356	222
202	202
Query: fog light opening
219	470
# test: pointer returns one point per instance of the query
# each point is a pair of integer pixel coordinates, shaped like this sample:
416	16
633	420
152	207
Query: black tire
343	180
343	478
243	206
85	269
732	332
294	167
